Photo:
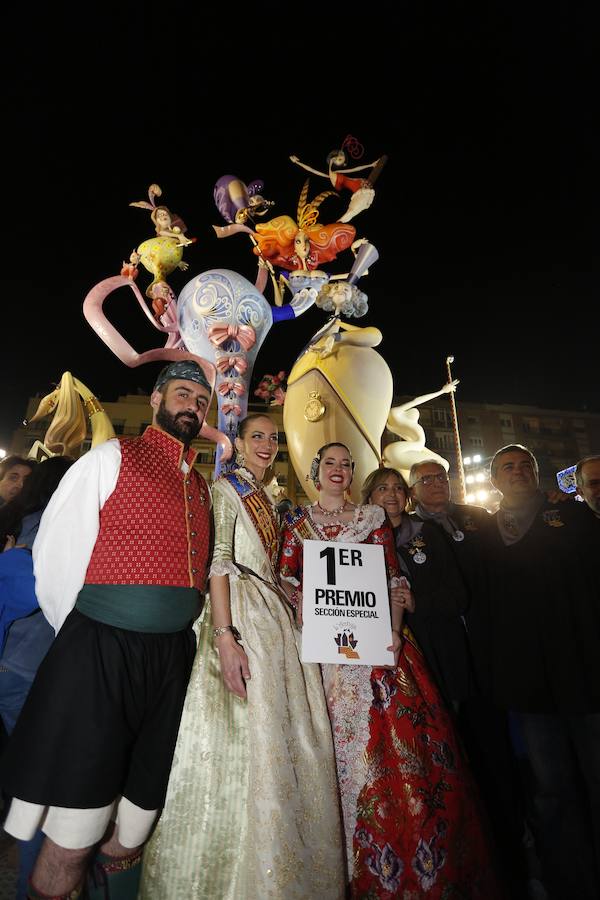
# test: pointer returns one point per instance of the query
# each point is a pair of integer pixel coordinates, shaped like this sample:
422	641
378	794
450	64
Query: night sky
485	216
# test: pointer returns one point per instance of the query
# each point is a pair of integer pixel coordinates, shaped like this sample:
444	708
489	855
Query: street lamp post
457	448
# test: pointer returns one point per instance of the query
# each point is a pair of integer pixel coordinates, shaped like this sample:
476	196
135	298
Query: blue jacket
17	588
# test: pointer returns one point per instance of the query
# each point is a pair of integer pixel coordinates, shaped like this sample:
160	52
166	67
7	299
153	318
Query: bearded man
120	562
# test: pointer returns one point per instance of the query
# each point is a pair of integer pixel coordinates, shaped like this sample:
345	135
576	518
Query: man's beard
183	426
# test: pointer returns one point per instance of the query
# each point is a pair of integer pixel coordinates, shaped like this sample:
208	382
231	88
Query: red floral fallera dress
411	812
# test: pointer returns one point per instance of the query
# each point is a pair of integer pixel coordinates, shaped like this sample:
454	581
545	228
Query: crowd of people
169	742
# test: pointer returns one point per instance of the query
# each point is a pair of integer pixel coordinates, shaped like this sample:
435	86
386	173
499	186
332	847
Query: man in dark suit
484	727
545	661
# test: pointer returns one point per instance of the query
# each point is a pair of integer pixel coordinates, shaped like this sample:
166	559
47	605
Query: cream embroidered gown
252	809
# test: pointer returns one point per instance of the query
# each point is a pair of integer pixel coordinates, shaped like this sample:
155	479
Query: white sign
345	605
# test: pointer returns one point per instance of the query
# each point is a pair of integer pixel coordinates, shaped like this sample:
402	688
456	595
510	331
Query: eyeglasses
440	477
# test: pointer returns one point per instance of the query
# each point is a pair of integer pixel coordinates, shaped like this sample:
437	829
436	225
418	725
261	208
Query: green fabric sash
153	608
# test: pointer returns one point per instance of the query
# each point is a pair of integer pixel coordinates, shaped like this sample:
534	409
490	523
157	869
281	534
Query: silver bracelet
222	629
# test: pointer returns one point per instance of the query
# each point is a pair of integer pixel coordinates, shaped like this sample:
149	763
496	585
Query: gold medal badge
315	408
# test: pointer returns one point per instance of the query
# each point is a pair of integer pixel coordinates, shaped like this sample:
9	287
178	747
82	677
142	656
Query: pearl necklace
331	512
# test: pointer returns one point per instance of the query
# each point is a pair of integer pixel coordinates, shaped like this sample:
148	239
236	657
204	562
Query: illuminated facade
557	437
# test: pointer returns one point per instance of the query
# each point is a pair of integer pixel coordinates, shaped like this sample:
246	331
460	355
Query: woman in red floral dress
411	813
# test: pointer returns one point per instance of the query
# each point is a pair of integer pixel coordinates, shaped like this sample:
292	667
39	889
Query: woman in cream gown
252	809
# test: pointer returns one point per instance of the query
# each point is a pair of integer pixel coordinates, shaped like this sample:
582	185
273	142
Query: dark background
485	216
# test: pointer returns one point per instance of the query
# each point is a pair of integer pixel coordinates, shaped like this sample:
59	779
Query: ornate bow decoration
232	387
243	334
230	407
224	361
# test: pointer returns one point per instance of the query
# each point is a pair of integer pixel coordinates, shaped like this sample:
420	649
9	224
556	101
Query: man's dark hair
36	493
510	448
9	462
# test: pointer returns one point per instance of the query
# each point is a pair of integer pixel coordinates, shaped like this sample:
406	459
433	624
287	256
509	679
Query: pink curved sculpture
172	351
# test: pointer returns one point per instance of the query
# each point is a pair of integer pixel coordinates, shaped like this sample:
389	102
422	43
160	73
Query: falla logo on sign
347	643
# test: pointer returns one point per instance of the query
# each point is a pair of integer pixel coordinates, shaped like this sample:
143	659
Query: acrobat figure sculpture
162	254
403	420
362	189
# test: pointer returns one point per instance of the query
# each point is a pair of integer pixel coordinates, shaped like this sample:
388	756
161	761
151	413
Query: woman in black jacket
441	598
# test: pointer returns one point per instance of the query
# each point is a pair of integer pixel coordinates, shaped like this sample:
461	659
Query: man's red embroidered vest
155	526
